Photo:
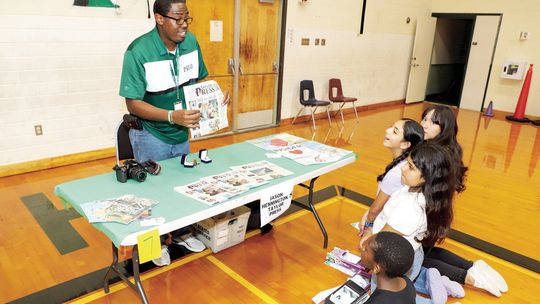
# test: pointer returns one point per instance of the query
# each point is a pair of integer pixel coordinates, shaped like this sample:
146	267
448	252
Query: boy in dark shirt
390	256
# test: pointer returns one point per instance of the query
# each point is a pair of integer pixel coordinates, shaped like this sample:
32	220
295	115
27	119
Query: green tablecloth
173	205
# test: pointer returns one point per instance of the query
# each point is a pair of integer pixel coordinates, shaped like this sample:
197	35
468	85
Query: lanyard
174	73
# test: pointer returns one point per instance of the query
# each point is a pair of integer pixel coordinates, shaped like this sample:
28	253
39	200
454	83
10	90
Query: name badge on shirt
178	105
188	67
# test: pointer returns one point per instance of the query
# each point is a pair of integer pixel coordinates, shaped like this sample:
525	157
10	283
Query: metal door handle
274	66
232	66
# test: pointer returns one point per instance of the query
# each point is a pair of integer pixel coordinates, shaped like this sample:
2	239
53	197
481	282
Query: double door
239	40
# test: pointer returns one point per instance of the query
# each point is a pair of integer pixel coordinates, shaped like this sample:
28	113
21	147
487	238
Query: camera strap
151	167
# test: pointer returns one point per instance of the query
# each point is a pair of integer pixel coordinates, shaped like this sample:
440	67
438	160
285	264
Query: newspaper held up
207	98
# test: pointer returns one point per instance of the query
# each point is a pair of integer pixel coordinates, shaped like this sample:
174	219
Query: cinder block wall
62	73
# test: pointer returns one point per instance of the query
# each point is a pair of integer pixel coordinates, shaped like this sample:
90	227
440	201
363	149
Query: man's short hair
393	253
163	7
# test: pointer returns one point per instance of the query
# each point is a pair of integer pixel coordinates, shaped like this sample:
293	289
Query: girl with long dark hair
440	128
421	211
400	138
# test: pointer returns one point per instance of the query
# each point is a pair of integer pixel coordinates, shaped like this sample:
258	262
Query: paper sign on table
149	246
275	201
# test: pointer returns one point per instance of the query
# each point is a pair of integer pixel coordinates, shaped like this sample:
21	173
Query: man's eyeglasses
180	21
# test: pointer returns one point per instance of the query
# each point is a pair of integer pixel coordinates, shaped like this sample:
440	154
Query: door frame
234	71
282	41
429	23
472	16
278	86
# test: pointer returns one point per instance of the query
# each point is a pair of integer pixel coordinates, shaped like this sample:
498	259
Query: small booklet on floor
351	292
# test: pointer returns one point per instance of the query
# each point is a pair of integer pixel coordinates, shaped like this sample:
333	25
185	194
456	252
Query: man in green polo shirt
157	66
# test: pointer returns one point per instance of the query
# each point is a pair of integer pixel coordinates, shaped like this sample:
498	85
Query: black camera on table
131	169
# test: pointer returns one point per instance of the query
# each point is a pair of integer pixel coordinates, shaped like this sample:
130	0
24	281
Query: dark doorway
453	35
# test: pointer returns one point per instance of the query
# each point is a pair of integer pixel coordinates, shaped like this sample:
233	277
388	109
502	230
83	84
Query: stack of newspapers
123	209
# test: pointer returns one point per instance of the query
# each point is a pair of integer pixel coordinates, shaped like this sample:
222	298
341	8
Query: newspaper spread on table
220	187
300	150
204	191
264	169
123	209
276	141
207	98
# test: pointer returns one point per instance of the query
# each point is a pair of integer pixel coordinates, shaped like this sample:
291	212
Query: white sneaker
493	274
483	281
165	258
190	242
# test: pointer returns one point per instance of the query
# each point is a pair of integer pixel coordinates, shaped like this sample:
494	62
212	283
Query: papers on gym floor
354	290
300	150
345	262
123	209
208	98
220	187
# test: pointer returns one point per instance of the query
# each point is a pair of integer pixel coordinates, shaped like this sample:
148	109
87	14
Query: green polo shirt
152	74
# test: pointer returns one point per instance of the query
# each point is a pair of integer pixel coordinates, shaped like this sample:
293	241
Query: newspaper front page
207	98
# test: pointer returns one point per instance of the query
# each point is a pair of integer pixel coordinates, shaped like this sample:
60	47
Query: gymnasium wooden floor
499	212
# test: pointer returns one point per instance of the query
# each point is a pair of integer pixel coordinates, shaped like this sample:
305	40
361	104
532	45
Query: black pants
447	263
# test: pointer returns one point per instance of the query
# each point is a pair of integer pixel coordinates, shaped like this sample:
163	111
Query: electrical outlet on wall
38	129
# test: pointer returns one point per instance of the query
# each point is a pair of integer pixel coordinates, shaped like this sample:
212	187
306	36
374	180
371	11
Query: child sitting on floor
390	256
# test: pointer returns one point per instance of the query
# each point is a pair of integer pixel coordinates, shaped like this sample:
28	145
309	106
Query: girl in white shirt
422	210
400	138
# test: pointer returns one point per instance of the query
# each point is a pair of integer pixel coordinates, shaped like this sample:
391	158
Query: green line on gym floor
55	223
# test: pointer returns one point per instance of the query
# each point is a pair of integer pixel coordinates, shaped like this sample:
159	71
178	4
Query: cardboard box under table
223	230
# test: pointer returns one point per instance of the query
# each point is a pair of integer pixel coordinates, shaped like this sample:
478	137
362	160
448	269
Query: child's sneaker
164	259
435	286
483	281
190	242
484	268
454	289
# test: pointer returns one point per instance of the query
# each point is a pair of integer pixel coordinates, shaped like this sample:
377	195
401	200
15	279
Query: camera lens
138	174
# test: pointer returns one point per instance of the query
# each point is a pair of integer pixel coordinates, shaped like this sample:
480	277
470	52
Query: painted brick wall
61	73
374	67
60	65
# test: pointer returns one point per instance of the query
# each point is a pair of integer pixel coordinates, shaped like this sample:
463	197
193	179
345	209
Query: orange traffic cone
489	110
519	114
